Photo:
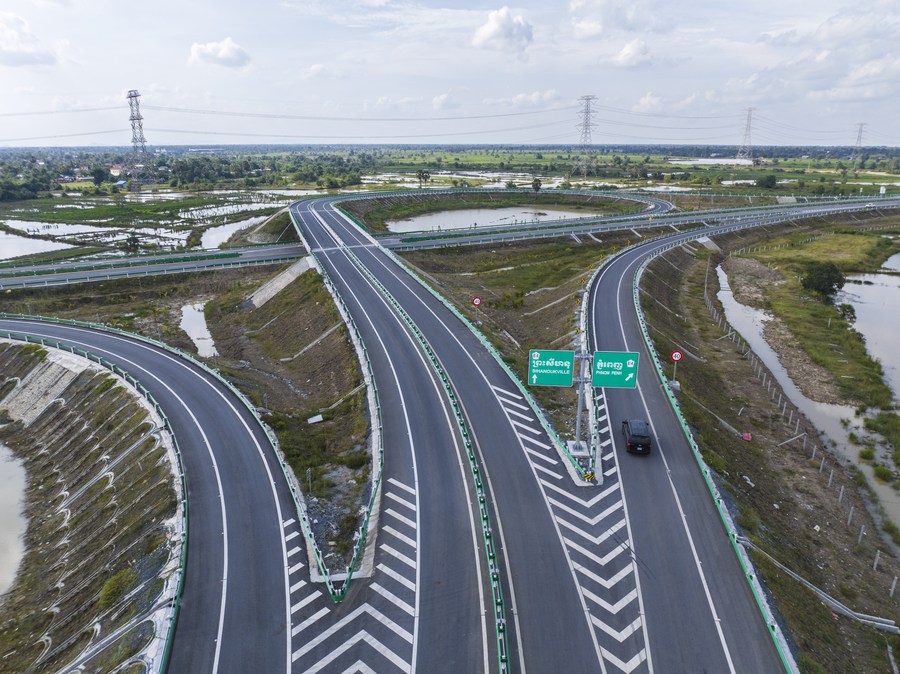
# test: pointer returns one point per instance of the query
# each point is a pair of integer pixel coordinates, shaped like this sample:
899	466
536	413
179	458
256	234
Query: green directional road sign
615	369
551	368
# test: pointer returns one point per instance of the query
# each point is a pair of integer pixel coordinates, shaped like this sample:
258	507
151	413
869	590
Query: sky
432	71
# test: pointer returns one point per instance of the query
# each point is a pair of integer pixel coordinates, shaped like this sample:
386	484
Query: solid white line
291	536
539	431
296	567
297	586
527	417
535	441
393	496
294	551
506	392
289	522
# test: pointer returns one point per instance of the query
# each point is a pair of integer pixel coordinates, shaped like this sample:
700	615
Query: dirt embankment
102	557
747	279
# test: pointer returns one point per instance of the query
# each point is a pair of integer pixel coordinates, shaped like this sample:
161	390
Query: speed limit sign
676	356
476	301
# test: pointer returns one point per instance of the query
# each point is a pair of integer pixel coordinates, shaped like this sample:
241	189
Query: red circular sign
677	355
476	301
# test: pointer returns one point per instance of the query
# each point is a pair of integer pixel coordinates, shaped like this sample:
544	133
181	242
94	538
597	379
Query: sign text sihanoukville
615	369
551	368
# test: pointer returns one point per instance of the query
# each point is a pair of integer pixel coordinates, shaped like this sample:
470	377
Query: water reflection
193	322
14	246
12	523
482	217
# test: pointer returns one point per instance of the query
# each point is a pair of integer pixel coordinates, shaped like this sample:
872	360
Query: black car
637	435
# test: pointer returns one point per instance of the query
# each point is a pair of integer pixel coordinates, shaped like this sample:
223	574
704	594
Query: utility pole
857	150
138	142
746	149
584	126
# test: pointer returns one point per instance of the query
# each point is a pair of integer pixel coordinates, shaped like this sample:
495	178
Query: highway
86	271
634	575
236	591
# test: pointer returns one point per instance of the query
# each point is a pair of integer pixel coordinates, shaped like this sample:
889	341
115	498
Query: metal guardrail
143	274
56	344
743	559
374	405
31	270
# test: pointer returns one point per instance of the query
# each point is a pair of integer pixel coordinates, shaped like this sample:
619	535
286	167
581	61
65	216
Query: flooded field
473	218
12	523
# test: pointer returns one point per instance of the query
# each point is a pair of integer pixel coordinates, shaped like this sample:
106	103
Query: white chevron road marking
309	621
411	563
605	559
400	537
586	504
542	457
390	573
584	518
536	431
336	627
606	606
596	540
306	600
547	471
626	667
380	648
614	580
508	394
359	667
618	635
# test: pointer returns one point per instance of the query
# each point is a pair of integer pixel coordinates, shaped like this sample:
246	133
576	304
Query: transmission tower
586	161
138	142
746	149
857	151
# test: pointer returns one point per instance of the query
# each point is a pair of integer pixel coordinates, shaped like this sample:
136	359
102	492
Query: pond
12	522
216	236
193	322
473	218
15	246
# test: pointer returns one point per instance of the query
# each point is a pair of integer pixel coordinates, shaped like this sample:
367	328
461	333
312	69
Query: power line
268	115
62	135
58	112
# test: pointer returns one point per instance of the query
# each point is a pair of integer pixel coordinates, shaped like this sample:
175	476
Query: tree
536	185
99	174
132	243
769	181
510	184
823	278
422	177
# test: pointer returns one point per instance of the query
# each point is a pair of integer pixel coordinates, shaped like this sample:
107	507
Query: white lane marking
293	551
394	599
396	534
509	403
411	563
547	471
296	586
379	647
607	583
397	516
338	626
296	567
629	666
584	518
310	621
618	635
289	522
303	602
587	504
291	536
527	417
542	457
390	573
536	431
506	392
535	441
391	495
602	561
596	540
606	606
399	484
359	667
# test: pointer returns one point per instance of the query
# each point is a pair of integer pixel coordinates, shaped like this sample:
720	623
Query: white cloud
504	31
18	46
633	55
226	53
648	103
524	100
442	102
